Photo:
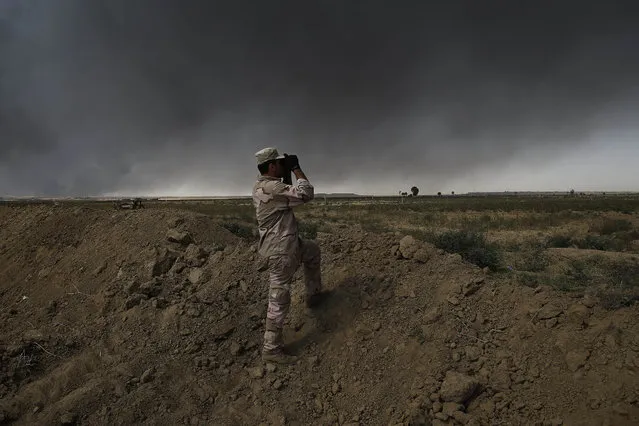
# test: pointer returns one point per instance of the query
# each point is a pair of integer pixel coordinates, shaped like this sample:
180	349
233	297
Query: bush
307	230
616	284
579	273
559	241
612	226
617	242
472	246
576	279
534	260
597	242
625	275
623	286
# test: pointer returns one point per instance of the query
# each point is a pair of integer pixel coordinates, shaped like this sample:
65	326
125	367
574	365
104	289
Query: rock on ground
181	237
458	387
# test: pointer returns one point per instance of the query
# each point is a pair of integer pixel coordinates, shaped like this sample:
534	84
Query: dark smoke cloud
113	95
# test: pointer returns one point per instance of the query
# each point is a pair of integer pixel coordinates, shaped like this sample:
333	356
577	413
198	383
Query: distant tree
439	194
572	192
452	192
415	191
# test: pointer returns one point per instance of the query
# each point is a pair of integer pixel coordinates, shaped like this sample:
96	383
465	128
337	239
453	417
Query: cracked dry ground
156	317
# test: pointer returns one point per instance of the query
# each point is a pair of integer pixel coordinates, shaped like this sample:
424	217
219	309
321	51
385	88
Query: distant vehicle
128	204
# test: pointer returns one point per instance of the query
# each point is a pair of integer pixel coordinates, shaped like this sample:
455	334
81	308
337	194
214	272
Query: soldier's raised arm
286	195
298	194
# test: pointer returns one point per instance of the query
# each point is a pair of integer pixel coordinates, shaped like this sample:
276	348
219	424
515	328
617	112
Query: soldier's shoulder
260	183
273	186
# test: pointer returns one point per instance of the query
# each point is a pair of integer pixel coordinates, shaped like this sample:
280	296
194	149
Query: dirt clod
180	237
256	372
576	359
549	311
457	387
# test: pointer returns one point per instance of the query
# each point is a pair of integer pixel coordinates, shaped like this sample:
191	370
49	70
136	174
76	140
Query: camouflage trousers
281	270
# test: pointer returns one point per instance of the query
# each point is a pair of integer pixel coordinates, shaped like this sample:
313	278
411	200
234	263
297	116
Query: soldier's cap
267	154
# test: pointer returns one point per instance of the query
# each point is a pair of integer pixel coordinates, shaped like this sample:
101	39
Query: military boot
273	350
278	356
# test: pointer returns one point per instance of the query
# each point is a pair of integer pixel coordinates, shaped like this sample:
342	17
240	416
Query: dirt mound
156	316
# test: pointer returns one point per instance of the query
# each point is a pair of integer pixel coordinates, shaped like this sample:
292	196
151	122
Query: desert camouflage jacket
274	202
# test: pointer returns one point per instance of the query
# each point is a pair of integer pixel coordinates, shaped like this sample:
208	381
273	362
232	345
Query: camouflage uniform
284	250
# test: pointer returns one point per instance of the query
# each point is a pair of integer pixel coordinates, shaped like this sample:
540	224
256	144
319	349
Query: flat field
517	309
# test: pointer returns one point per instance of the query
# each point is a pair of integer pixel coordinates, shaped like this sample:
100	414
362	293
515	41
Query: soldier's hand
292	162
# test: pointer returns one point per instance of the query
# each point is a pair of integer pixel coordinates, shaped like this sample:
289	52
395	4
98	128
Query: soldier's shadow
339	308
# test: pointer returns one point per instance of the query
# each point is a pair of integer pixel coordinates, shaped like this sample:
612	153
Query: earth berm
156	317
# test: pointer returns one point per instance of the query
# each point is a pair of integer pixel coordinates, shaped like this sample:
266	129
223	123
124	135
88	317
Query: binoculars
290	162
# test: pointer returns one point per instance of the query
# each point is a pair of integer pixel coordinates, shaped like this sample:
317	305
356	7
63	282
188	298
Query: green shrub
623	286
591	242
577	278
579	273
624	275
472	246
616	284
597	242
559	241
612	226
372	223
534	260
528	279
307	230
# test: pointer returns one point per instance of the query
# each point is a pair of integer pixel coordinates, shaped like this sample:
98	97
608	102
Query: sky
159	97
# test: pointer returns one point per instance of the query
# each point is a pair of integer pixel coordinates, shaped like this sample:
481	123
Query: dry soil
156	317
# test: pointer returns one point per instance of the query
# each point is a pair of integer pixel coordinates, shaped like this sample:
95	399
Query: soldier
280	244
